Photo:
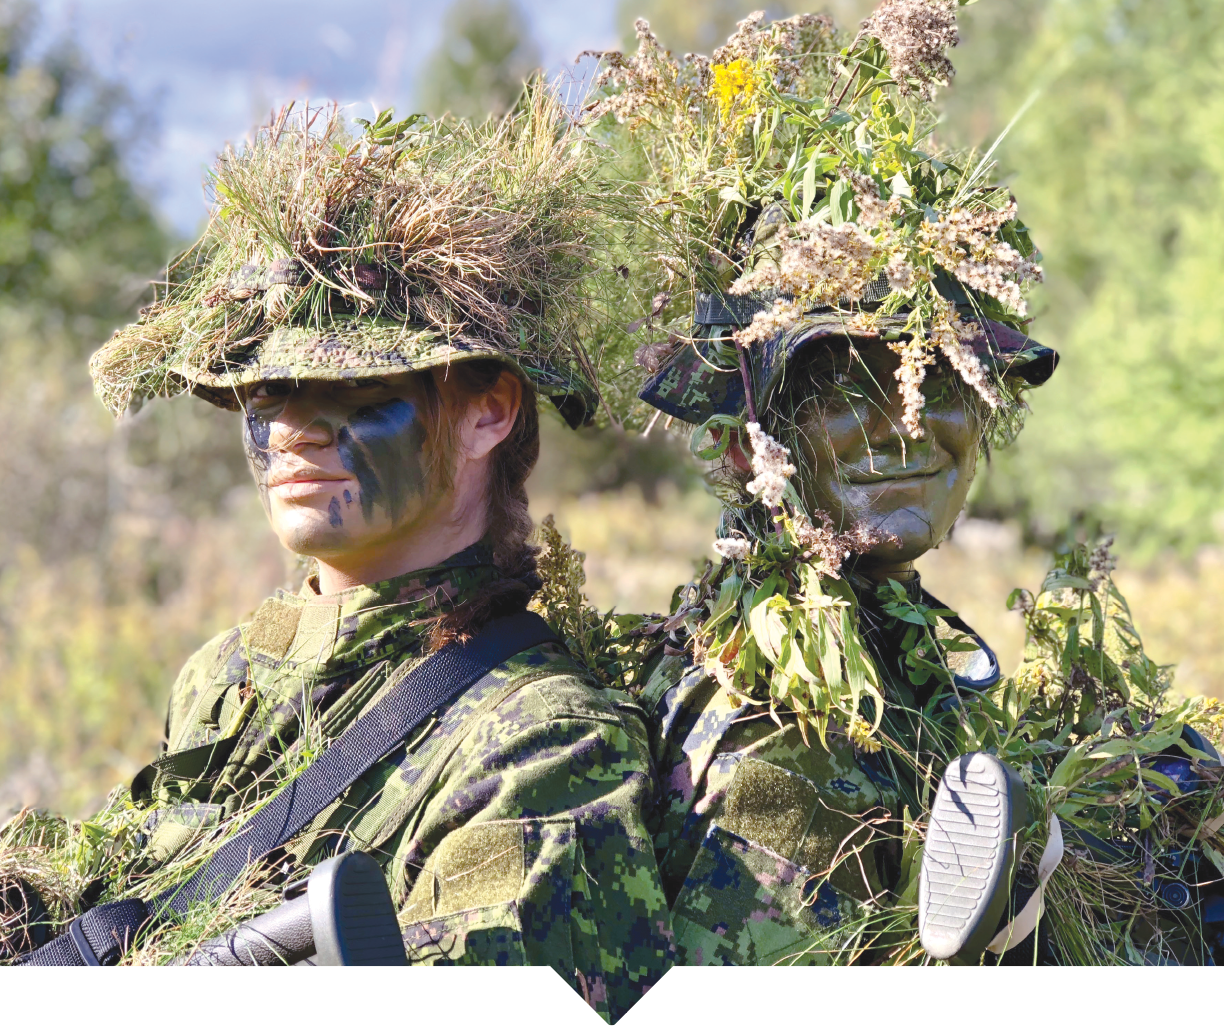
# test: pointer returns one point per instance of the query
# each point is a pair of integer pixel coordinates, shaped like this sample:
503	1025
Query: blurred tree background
120	548
485	55
125	547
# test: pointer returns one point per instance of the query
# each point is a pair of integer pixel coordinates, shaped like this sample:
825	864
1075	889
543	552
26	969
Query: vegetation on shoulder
1100	740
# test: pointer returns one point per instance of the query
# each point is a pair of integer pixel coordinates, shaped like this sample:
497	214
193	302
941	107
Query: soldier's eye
360	383
266	393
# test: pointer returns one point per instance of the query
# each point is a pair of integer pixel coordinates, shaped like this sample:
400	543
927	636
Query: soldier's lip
305	483
917	475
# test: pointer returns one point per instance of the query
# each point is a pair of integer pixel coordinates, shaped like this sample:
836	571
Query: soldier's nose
885	425
299	426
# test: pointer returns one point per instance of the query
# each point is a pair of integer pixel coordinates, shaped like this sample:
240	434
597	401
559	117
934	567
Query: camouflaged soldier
388	393
769	844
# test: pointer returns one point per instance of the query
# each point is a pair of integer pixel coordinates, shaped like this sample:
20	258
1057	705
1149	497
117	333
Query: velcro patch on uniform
273	628
769	806
477	865
315	634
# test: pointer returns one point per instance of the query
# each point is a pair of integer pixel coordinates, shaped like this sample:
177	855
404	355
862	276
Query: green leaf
862	140
840	196
809	184
728	598
1160	780
766	623
1216	858
1070	768
1056	579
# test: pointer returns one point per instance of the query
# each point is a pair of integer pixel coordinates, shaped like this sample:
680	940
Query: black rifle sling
373	736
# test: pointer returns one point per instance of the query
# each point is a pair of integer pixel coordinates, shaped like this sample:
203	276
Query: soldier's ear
735	451
491	415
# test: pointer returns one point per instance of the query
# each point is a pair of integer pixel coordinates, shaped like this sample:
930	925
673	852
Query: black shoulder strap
374	735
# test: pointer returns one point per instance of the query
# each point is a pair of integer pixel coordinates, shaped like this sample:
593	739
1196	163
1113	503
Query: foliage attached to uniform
775	626
417	231
611	645
1092	726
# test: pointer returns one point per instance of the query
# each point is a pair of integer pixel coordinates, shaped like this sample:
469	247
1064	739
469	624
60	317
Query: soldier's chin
311	533
906	535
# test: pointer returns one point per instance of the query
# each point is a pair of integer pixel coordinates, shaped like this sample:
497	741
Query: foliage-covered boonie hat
412	246
794	190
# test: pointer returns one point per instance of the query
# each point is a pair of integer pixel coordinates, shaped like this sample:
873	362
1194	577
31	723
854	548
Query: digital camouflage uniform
751	818
522	843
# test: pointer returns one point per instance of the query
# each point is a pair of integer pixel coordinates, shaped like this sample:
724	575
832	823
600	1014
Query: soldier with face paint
770	844
390	437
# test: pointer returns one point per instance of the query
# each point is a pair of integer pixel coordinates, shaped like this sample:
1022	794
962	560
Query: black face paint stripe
333	513
381	446
257	436
256	441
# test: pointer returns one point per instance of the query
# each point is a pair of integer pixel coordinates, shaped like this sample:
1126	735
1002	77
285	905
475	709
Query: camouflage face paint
256	437
381	446
858	463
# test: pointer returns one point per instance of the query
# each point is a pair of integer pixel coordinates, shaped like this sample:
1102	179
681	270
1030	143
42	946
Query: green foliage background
1120	174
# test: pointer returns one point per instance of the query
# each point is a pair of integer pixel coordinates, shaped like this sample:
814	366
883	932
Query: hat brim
692	388
369	349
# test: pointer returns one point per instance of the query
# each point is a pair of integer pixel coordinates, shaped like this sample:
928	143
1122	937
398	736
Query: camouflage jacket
522	843
769	849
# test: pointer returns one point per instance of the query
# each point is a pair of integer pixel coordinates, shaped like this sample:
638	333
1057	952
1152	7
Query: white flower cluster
873	211
916	356
765	325
963	242
781	41
745	42
770	466
902	275
822	263
639	78
916	34
733	548
951	334
828	549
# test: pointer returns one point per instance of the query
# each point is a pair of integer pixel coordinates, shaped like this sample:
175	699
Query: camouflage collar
317	635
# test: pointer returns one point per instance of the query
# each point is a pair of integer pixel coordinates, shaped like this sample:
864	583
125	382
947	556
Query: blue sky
210	71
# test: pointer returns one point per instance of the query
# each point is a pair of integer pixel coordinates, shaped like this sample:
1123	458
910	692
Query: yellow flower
860	735
731	81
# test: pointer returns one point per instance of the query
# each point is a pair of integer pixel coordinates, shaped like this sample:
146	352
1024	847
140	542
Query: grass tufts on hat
413	243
